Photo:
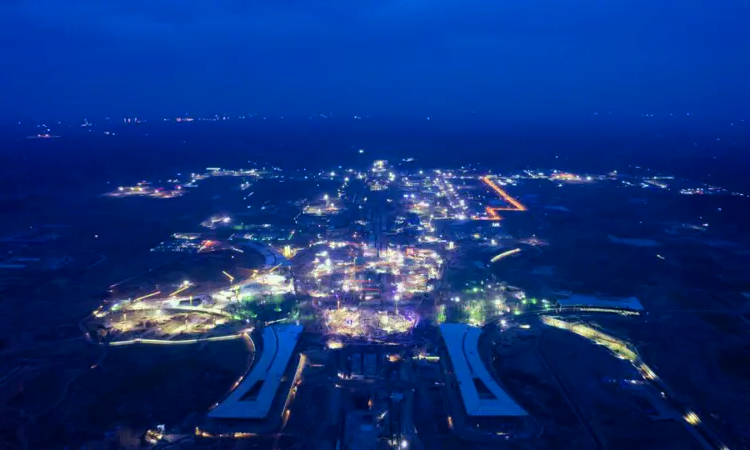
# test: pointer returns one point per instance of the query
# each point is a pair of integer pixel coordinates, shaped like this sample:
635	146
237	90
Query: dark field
131	388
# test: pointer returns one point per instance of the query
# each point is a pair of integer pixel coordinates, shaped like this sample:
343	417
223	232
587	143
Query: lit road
176	342
565	392
517	206
700	430
707	437
408	430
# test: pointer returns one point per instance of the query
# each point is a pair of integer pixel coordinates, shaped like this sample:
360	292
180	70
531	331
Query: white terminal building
254	396
482	396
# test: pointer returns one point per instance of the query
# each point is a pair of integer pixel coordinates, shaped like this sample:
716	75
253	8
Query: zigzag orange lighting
492	211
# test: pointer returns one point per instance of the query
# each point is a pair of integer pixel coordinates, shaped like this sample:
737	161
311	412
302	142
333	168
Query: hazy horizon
397	58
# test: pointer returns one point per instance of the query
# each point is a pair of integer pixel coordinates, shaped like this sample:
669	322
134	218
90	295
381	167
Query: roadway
706	436
566	392
517	206
703	433
408	430
174	342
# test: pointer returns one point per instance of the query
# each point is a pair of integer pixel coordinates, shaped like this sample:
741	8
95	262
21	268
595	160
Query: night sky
442	58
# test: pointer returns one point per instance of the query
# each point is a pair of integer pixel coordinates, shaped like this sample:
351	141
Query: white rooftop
264	378
462	341
631	303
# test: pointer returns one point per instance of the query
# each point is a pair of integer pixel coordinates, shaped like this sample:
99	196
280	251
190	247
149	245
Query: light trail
492	211
505	254
293	389
493	214
516	204
620	348
236	435
179	290
231	278
147	296
691	418
705	435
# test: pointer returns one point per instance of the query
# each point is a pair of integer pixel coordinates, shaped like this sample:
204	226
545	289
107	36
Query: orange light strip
180	290
493	214
517	206
147	296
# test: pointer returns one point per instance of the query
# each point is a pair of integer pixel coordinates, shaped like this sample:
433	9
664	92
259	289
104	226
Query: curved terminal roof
481	394
254	396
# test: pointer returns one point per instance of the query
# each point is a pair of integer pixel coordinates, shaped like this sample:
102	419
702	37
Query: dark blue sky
524	58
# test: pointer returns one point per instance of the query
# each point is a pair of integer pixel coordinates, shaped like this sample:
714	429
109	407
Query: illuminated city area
381	274
374	225
361	297
144	189
355	322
